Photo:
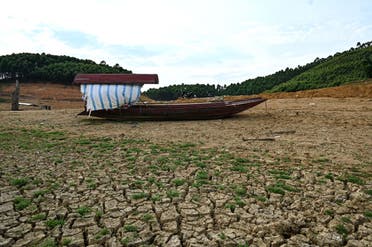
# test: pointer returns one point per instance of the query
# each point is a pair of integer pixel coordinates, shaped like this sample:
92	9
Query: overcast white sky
187	41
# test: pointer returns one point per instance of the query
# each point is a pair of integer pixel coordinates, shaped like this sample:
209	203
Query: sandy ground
291	172
323	126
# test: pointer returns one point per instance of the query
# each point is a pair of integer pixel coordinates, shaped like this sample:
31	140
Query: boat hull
177	111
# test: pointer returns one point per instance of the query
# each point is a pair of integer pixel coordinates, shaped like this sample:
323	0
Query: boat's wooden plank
116	79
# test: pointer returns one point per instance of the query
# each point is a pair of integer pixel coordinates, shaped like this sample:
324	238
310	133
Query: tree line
183	91
51	68
248	87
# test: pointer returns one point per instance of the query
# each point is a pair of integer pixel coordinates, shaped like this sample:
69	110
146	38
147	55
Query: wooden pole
15	97
266	105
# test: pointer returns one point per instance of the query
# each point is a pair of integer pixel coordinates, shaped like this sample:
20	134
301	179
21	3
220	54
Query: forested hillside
52	68
263	83
354	64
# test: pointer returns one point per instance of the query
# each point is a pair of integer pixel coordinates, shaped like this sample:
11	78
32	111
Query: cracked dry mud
66	181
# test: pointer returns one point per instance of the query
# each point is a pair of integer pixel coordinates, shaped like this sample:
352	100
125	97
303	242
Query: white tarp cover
109	96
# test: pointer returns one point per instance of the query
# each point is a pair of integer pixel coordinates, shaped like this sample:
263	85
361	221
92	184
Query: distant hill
263	83
52	68
348	66
352	65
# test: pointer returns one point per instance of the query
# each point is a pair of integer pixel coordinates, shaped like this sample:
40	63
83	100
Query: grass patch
341	229
241	165
286	187
329	212
37	181
54	223
19	182
38	217
179	181
155	198
54	186
322	181
222	236
132	141
92	185
245	244
130	228
159	184
353	179
83	141
103	232
162	160
21	203
140	195
276	190
126	241
202	175
231	206
240	191
280	188
279	174
346	219
66	241
151	180
99	214
49	242
282	176
83	210
242	160
33	139
322	160
173	193
221	187
38	193
201	178
239	201
201	164
368	214
330	176
260	198
239	168
147	217
187	145
195	198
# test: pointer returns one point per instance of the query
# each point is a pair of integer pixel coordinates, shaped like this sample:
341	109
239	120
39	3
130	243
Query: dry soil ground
294	172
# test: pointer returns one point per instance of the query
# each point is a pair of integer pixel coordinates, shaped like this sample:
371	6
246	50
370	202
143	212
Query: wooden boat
101	92
177	111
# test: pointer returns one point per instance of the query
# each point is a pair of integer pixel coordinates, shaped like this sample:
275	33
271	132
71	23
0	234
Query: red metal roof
116	79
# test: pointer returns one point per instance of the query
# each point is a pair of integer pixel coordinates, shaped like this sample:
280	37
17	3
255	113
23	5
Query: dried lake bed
293	172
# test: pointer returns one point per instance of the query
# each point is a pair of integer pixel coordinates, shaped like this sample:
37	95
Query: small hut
112	91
